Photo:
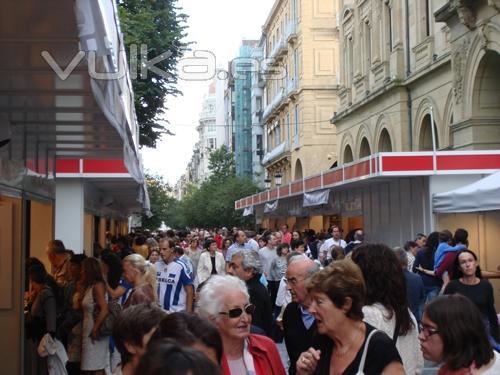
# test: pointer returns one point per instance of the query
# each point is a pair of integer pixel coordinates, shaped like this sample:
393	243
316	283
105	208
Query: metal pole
433	132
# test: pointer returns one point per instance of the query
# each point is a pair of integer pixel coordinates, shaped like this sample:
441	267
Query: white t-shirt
325	248
171	279
267	256
408	345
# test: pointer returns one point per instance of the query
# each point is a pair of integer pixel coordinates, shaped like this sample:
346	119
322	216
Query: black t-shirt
381	352
214	270
482	296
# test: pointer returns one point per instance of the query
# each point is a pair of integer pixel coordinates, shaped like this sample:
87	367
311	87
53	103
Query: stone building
301	64
407	63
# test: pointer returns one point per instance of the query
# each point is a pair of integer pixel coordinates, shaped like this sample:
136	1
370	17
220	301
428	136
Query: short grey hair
248	260
402	256
304	258
212	294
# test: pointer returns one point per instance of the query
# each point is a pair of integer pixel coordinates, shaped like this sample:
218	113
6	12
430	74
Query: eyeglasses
293	280
236	312
426	330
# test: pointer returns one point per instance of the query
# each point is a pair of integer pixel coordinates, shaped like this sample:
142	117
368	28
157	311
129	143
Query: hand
93	334
279	323
307	362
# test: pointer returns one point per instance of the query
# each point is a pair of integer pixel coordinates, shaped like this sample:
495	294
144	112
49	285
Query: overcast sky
217	26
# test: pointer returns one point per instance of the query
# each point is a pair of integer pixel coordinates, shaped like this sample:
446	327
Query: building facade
406	64
301	64
243	70
258	139
207	137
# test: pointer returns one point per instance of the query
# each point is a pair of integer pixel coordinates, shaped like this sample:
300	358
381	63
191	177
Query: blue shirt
443	248
234	248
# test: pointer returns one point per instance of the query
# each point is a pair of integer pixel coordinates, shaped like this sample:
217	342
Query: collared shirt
234	248
307	317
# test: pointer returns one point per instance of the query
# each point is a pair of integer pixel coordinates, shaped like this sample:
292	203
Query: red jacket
266	358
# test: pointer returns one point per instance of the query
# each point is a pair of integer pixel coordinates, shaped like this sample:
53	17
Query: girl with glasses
225	301
452	332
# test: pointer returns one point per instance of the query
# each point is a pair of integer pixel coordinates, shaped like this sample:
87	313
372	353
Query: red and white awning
391	164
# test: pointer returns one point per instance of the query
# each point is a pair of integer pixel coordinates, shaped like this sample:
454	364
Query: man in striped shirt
175	287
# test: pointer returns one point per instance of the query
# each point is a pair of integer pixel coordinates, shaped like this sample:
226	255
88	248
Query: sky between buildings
217	26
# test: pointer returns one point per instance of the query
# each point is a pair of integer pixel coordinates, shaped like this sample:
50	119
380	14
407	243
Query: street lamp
267	183
277	178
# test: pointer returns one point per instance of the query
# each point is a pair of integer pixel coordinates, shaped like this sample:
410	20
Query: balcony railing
276	153
291	32
279	97
291	86
279	48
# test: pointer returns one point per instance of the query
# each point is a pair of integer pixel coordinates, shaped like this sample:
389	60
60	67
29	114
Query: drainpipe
408	72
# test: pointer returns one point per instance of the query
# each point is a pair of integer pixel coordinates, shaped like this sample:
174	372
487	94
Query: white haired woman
142	275
225	301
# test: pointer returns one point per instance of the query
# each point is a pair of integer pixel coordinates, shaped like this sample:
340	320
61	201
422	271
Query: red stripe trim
67	166
357	170
313	183
104	166
332	177
452	162
406	163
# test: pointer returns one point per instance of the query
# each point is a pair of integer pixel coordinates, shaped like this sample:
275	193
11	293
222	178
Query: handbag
114	309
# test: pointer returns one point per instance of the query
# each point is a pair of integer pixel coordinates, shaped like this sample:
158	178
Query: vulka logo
200	66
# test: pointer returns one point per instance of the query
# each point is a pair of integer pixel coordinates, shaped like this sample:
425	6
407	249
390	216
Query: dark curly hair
385	281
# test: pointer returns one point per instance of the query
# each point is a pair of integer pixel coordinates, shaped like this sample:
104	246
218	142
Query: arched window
364	150
348	157
425	139
384	142
298	170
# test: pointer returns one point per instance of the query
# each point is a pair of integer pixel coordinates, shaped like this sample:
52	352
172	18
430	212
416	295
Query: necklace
340	353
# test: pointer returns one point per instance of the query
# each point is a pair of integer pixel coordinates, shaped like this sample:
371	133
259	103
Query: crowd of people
218	302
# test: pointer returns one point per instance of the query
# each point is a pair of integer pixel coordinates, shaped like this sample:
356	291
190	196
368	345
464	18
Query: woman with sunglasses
225	301
452	332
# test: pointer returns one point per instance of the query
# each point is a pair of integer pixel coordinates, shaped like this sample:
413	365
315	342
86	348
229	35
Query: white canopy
482	195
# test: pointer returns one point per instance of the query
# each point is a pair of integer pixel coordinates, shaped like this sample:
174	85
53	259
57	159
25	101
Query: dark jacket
297	338
259	296
415	292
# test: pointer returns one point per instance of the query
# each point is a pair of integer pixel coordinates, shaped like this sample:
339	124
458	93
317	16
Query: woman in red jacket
225	301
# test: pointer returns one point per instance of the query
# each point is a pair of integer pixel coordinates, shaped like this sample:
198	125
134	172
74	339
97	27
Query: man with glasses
175	287
299	325
245	266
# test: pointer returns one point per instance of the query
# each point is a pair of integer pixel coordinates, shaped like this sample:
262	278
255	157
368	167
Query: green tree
221	163
163	205
161	26
212	203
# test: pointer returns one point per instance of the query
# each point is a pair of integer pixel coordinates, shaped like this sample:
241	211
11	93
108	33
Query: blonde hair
144	267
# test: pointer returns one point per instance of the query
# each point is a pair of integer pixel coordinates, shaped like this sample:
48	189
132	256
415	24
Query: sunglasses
236	312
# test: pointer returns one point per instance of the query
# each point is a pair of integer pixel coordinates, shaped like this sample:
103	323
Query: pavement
430	368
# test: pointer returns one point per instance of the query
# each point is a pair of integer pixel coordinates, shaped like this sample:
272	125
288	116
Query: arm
189	297
394	368
116	293
50	311
492	314
100	300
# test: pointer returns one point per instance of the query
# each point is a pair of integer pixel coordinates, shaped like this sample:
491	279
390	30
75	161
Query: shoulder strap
365	352
396	332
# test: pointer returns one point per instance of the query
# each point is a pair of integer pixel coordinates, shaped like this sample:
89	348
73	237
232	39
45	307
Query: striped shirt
171	279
